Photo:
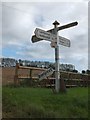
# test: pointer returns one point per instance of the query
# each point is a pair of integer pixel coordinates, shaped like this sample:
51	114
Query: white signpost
52	36
45	74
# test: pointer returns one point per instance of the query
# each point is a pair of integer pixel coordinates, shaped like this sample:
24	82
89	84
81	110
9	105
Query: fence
71	79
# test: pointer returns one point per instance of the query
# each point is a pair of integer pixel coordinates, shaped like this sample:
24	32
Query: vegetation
25	102
83	71
86	72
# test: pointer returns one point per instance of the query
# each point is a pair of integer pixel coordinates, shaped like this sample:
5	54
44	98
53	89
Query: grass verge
25	102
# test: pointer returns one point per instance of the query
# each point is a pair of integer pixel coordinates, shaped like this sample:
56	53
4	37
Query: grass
25	102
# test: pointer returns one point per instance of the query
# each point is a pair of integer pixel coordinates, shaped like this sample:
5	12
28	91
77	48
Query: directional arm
35	39
64	26
67	26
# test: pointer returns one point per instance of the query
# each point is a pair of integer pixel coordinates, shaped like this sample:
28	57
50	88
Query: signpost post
57	73
52	36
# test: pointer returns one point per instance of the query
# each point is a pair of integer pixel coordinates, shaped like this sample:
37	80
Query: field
26	102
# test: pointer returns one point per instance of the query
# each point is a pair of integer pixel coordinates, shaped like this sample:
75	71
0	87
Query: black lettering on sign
46	73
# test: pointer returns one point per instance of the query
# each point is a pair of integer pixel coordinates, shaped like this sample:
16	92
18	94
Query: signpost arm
64	26
35	39
57	73
68	26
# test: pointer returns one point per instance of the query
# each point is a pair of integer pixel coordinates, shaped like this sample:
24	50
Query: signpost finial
56	23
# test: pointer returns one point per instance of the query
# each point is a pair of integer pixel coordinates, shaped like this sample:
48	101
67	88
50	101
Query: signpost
46	74
52	36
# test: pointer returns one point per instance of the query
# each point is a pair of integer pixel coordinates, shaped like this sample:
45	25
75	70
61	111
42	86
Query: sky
19	20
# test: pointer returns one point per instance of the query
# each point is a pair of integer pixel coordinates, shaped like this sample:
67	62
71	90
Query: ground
26	102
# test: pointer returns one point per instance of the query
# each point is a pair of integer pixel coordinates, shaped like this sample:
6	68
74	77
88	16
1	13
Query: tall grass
42	103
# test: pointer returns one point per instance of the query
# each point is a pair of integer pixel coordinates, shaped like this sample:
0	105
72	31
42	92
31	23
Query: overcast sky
19	21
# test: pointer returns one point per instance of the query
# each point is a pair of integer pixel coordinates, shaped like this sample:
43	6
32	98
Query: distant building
68	67
10	62
41	64
65	67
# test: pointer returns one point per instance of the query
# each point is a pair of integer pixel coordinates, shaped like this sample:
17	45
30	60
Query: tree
83	71
20	62
88	71
76	71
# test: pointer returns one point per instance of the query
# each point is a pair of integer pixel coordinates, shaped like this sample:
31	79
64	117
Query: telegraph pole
57	72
